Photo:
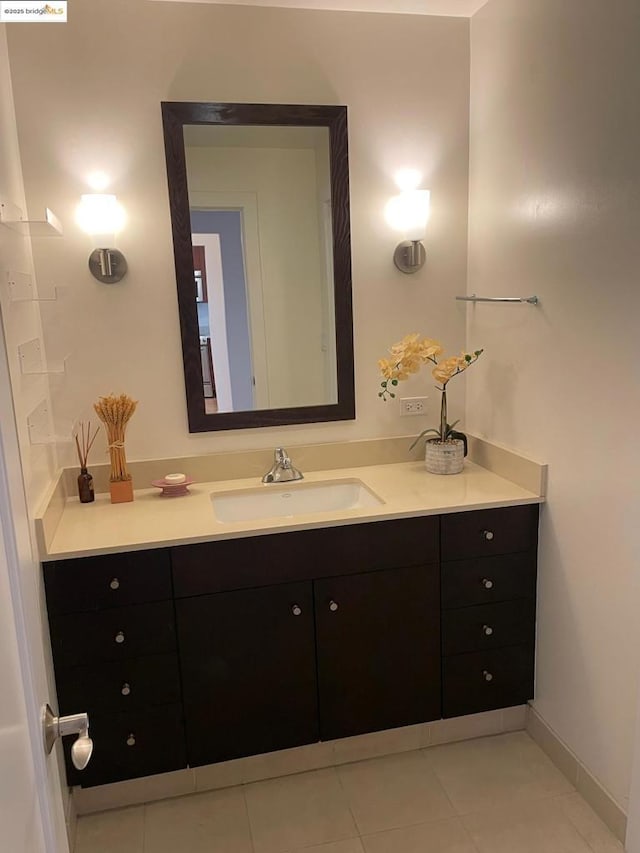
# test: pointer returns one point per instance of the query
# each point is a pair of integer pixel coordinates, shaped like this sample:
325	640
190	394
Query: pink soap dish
173	490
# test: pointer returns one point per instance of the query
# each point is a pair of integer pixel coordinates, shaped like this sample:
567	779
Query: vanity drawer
483	681
486	626
132	744
120	685
112	635
488	579
485	532
112	580
231	564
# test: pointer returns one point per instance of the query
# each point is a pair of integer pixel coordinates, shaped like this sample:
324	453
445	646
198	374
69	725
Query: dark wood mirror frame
177	114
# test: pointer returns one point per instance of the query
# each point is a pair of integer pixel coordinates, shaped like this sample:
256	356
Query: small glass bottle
85	487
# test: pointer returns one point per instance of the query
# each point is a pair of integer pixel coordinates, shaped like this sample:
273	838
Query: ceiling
457	8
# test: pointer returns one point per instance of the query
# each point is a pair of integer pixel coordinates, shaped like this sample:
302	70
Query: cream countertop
152	521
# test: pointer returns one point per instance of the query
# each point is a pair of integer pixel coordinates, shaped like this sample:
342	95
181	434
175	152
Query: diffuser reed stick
85	443
115	412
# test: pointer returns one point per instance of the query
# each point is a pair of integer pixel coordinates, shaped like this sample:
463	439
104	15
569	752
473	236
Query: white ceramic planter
444	457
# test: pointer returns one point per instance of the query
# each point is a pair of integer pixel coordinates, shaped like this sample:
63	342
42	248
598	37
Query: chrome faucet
282	471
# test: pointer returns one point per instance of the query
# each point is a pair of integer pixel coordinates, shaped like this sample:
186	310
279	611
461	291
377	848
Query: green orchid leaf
422	435
462	437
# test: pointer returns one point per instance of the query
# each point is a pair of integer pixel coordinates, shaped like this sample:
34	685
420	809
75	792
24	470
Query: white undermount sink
286	500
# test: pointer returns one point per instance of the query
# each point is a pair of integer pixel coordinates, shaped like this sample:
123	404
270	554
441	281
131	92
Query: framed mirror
259	199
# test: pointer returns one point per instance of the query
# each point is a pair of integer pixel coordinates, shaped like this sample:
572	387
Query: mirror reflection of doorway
202	300
224	323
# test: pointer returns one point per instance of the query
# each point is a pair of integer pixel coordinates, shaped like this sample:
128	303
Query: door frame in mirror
177	114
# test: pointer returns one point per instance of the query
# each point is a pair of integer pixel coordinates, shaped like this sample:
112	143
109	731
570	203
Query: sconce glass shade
99	214
409	213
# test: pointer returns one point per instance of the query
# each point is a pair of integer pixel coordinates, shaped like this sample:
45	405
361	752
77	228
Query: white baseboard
600	800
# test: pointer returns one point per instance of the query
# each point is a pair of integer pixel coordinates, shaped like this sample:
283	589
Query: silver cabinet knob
125	689
296	610
119	637
487	630
333	606
488	535
487	675
487	584
131	740
115	584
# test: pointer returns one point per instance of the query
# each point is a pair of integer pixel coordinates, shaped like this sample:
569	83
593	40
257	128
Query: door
248	314
248	671
31	808
378	650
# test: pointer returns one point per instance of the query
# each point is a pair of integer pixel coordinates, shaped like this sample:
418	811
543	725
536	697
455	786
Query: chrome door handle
76	724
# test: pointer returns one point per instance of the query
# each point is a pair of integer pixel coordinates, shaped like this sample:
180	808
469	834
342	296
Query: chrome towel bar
532	300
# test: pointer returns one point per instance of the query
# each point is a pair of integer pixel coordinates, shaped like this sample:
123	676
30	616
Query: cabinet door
378	640
248	671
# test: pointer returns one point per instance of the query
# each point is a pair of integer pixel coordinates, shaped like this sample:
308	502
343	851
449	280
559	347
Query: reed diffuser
84	443
115	411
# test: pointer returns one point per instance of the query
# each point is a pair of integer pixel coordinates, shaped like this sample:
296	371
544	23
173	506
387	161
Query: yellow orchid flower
408	355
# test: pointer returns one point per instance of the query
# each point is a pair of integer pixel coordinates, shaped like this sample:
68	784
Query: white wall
405	81
21	319
554	210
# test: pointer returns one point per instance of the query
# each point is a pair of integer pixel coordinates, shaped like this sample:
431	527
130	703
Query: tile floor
491	795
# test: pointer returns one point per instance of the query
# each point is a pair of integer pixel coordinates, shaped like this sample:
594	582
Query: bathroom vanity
196	653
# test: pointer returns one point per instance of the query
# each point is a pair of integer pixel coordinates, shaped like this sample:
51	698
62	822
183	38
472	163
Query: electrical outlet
413	406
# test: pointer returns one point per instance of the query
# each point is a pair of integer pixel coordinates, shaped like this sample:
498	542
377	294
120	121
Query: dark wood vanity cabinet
378	637
203	653
488	608
248	671
344	640
113	637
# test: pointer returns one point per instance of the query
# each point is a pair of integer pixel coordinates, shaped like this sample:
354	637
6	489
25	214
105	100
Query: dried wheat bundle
114	412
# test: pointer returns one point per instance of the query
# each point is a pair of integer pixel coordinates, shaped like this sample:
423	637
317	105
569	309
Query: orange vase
121	491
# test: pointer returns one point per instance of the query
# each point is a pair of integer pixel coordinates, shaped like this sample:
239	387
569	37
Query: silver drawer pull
488	535
125	689
487	630
131	740
296	610
487	675
487	584
333	606
119	637
115	584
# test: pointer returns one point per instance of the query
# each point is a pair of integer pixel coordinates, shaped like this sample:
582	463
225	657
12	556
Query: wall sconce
101	216
408	213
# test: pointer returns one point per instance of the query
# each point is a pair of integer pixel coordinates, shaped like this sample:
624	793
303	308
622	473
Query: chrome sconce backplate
409	256
108	265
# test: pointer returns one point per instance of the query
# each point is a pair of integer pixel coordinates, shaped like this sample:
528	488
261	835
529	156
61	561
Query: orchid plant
407	357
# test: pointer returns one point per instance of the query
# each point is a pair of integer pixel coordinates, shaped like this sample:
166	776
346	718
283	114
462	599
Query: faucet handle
281	457
282	471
